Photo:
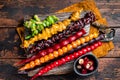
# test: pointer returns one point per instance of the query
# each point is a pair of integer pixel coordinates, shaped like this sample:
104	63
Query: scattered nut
81	61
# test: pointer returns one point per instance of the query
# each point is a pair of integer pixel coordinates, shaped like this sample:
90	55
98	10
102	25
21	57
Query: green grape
41	26
26	24
32	20
43	23
34	32
28	37
47	23
55	18
36	18
50	19
33	27
36	26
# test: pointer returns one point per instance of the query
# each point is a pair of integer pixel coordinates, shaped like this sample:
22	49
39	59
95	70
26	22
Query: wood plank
116	51
10	44
106	5
107	1
12	12
5	22
104	68
109	69
113	19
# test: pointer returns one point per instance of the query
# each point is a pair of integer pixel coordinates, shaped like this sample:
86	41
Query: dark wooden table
12	13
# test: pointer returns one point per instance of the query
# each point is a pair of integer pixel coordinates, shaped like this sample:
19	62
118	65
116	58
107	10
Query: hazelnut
79	67
81	61
90	62
87	66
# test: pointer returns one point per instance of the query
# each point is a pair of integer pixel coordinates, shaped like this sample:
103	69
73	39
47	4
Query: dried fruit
87	66
91	68
84	71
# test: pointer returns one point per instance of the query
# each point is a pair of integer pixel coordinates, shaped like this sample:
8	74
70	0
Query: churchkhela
79	24
66	59
60	51
54	29
58	42
35	25
88	18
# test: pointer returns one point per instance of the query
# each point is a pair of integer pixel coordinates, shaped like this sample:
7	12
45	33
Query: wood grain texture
12	12
10	44
104	68
108	70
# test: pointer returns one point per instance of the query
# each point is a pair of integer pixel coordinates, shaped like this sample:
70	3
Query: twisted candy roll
48	32
55	47
66	59
79	24
36	26
59	52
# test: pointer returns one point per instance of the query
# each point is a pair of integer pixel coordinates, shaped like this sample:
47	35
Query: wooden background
12	13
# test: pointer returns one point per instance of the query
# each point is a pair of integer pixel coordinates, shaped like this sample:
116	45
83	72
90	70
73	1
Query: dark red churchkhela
78	25
67	59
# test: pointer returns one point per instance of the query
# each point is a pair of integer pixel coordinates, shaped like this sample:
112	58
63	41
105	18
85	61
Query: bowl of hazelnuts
86	65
